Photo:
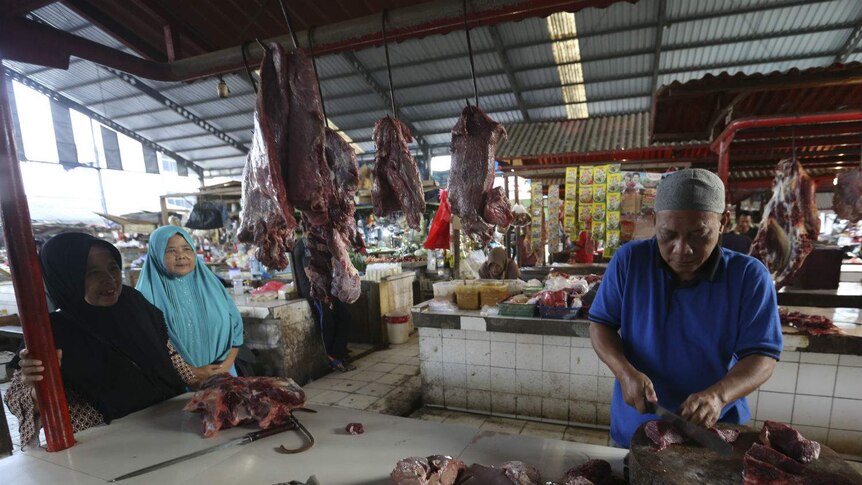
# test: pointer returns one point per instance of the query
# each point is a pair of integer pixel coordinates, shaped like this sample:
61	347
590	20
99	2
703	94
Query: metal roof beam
510	73
115	29
659	32
382	93
851	43
68	103
178	108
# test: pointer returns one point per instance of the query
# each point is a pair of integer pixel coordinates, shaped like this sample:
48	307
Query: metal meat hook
299	428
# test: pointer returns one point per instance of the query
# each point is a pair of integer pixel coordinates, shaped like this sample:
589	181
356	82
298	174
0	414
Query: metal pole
29	288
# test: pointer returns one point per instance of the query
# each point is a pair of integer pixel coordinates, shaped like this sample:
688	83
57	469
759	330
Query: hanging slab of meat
345	176
474	144
810	324
787	440
396	185
847	199
790	223
434	470
307	175
267	216
498	210
227	401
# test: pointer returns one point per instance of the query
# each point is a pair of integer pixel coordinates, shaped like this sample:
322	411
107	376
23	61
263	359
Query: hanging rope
316	77
388	65
470	53
247	67
289	26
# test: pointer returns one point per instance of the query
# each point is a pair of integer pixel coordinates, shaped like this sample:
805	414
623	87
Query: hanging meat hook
470	55
384	16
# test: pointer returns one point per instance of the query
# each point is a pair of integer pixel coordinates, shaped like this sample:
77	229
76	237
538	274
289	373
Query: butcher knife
242	440
705	437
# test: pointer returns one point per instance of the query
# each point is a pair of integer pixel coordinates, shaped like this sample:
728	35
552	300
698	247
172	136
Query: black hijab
116	356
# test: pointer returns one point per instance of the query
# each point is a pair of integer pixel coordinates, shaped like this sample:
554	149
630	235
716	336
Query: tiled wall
819	394
560	379
557	379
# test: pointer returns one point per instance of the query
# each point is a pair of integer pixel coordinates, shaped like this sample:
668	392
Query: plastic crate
516	310
559	313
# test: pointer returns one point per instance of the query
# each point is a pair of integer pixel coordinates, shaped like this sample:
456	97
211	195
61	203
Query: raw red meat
498	210
510	473
434	470
775	458
267	214
663	434
345	175
811	324
847	199
788	441
308	181
521	473
756	472
396	185
226	401
595	471
355	428
790	223
474	143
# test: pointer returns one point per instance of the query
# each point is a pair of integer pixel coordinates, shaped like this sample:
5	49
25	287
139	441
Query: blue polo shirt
685	336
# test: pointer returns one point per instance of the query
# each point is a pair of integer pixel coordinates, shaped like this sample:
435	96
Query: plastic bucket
398	328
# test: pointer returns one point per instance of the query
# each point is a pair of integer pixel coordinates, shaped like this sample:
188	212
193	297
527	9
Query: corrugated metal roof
573	136
432	74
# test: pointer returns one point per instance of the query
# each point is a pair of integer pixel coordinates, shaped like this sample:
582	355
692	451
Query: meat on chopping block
757	472
775	458
474	144
664	434
227	401
847	199
790	223
396	185
593	472
789	441
509	473
267	214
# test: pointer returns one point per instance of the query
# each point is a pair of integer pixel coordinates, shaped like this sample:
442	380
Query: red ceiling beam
721	145
25	41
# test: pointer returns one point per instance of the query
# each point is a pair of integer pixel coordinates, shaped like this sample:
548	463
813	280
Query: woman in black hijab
115	355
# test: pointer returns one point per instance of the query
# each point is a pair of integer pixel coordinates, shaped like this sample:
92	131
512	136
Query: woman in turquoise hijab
204	324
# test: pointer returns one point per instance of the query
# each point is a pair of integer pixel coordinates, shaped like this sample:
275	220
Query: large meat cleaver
702	435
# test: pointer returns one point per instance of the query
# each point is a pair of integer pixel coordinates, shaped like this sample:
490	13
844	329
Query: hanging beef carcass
474	143
790	223
296	162
267	213
847	199
396	185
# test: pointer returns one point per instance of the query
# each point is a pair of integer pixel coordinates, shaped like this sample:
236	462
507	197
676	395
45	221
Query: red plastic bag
557	298
273	286
438	233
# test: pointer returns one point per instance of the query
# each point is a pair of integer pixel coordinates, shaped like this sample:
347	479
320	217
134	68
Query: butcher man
681	321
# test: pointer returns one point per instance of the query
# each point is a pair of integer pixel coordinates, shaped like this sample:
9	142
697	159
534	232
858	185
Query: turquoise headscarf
203	321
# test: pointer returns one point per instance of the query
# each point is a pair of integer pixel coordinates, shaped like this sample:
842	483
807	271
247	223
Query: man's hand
702	408
637	390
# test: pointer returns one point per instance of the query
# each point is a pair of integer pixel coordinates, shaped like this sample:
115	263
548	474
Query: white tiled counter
547	370
164	431
285	337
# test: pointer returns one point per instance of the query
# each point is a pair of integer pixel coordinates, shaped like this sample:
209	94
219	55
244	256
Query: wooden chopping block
690	463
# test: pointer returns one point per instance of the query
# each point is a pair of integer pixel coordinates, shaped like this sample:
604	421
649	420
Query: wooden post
456	246
29	288
164	203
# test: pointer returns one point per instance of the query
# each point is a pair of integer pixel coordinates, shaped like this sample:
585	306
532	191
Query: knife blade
242	440
703	436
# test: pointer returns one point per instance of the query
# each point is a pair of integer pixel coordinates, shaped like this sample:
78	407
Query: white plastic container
398	327
445	290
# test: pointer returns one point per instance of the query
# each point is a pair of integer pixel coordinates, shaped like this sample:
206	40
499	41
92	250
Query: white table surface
164	432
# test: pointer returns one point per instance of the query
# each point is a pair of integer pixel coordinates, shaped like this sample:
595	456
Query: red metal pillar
29	289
